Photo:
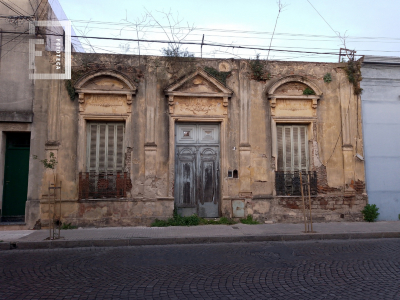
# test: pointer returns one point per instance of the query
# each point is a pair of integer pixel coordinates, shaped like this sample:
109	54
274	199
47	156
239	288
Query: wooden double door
197	164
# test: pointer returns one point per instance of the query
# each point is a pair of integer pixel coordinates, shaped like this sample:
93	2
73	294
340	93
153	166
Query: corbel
81	101
272	101
314	103
171	103
225	105
225	102
129	102
129	99
81	98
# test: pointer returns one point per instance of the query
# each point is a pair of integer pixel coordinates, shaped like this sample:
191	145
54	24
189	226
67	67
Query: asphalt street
336	269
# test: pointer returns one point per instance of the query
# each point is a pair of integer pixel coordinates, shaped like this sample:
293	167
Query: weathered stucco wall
248	118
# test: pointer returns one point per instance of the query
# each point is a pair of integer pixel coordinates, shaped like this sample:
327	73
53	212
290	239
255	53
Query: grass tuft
249	220
68	226
193	220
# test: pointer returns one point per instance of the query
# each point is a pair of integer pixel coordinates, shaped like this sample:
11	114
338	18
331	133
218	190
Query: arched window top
293	85
108	80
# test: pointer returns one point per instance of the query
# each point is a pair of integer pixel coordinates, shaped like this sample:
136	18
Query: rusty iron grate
288	183
103	185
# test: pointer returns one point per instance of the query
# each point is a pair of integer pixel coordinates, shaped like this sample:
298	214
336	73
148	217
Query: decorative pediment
288	94
199	83
200	93
101	85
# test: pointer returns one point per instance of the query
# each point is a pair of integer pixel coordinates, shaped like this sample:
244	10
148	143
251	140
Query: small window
105	144
235	174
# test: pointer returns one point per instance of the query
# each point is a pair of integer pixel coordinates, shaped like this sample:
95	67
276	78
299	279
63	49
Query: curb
57	244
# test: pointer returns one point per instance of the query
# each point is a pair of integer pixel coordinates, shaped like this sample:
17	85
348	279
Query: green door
16	172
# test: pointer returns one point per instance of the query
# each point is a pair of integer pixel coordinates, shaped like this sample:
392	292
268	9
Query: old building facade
136	137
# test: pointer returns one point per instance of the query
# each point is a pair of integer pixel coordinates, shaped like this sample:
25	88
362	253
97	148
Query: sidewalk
130	236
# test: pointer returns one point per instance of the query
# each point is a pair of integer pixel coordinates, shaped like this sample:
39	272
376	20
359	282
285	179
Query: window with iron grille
292	148
105	176
292	142
105	145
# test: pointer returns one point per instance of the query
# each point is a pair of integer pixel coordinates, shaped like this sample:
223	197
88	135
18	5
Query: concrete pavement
129	236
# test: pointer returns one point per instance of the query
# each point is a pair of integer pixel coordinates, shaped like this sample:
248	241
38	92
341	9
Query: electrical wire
19	8
38	7
11	8
194	43
230	36
16	44
231	30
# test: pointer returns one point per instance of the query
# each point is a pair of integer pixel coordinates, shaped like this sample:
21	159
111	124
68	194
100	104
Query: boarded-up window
292	148
105	144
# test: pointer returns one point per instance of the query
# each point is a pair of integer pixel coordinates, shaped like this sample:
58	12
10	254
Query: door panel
209	196
197	170
186	134
208	134
16	174
185	180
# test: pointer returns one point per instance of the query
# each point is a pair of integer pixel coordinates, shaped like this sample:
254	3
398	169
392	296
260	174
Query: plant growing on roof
221	76
353	71
177	57
308	91
327	78
257	69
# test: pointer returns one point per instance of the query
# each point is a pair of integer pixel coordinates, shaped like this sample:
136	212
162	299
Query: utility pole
201	48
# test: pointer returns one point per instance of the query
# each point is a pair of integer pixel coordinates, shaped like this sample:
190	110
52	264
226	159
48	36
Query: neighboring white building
381	125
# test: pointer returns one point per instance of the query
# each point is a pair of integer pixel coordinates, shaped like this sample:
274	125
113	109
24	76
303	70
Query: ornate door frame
223	158
196	153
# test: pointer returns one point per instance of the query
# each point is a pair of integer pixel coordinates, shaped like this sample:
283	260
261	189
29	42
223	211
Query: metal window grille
94	185
288	183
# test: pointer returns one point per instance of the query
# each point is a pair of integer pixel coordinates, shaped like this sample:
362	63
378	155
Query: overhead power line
232	30
324	19
190	43
11	8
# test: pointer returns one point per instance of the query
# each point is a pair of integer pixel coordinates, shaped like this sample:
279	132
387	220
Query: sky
370	27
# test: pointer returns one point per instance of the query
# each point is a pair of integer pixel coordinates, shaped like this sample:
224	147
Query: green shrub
370	213
68	226
222	220
249	220
192	220
227	221
159	223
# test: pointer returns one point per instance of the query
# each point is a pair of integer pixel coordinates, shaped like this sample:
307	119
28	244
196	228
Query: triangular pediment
199	83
